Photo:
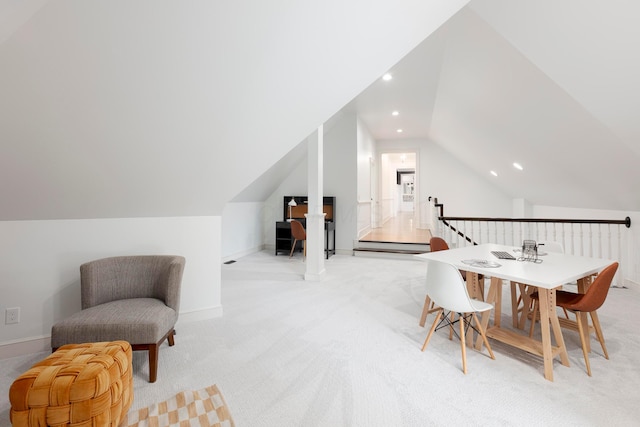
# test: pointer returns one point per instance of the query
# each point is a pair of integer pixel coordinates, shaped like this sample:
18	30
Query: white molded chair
448	291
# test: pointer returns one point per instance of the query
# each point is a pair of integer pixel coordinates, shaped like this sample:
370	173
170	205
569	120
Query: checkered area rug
201	408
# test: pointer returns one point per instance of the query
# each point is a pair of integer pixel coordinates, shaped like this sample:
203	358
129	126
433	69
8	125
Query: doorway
396	202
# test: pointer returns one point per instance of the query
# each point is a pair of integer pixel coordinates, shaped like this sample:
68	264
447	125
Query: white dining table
553	270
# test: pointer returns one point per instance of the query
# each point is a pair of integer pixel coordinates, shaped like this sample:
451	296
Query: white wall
340	181
341	171
367	184
461	190
40	260
242	229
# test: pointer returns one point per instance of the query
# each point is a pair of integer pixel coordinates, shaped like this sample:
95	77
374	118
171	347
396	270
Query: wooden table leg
473	288
514	303
549	320
493	297
526	305
497	298
546	335
557	330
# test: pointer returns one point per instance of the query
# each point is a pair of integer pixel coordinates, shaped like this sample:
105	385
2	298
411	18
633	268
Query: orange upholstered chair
298	233
588	302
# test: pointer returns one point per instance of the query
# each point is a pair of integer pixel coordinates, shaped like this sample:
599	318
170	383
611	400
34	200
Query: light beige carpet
200	408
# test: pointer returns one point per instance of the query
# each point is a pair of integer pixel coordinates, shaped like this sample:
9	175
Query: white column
315	216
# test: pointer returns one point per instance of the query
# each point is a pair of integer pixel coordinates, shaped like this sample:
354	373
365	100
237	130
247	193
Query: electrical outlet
12	315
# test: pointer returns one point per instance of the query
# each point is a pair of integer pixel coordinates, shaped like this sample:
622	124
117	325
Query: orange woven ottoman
78	385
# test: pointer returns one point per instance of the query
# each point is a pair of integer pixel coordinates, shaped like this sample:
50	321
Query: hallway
399	229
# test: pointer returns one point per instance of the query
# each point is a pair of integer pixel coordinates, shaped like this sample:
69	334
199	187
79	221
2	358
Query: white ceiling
108	110
551	85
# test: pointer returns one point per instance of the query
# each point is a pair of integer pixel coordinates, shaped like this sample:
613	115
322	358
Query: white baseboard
38	344
25	346
631	284
242	253
196	315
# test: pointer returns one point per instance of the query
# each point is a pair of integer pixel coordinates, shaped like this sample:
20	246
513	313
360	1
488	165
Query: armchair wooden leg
171	338
153	362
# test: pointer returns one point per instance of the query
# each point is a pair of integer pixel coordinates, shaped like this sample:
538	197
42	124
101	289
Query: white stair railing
607	239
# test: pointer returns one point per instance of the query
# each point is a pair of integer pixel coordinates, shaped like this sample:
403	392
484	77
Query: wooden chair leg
598	329
463	345
425	310
293	247
585	351
171	339
433	328
453	318
153	362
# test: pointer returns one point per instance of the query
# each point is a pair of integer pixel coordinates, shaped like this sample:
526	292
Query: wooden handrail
626	221
447	220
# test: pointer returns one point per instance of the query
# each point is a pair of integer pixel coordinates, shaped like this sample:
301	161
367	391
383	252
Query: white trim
23	346
244	253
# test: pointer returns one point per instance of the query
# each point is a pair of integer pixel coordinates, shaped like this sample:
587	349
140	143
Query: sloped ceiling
551	85
121	109
113	108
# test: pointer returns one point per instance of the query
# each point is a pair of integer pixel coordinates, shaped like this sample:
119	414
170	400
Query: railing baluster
463	231
610	255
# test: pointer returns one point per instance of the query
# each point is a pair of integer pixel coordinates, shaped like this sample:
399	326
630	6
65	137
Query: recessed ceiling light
399	131
395	113
517	166
494	173
387	77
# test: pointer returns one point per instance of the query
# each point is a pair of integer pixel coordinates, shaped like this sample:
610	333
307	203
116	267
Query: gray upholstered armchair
131	298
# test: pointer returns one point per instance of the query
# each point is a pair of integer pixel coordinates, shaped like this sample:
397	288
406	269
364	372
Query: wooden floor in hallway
399	229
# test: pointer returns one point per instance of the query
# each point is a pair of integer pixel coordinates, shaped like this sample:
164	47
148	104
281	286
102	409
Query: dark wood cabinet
284	240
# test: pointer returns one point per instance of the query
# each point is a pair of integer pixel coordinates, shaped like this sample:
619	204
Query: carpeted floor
346	352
